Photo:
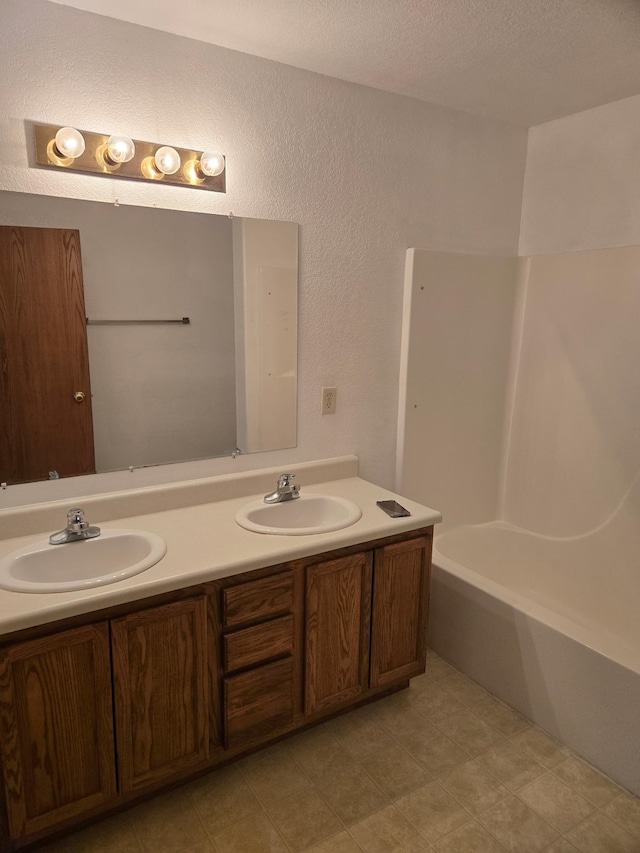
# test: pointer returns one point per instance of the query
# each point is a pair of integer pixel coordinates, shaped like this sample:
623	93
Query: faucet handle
75	519
284	480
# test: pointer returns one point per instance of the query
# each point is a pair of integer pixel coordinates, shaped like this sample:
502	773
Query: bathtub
552	627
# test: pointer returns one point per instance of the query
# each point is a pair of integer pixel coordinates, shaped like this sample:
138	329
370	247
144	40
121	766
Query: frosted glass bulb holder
167	160
120	149
69	142
211	163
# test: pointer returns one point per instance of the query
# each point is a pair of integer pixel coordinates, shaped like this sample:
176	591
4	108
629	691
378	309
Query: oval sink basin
110	557
307	514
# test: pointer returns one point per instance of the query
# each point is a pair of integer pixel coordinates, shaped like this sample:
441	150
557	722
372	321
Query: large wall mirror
134	336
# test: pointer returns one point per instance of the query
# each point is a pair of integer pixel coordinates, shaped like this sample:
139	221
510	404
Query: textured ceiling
525	61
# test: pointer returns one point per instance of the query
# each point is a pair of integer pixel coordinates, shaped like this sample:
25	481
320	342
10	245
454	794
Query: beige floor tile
114	833
437	668
434	702
556	802
352	795
279	748
589	783
319	754
468	731
276	778
418	683
433	750
500	716
433	811
517	827
473	787
397	717
55	847
625	811
540	746
388	831
168	824
562	846
463	689
395	771
360	736
599	834
514	767
222	798
340	843
304	819
256	834
470	838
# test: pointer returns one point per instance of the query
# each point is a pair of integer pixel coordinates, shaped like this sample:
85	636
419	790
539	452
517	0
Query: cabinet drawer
258	703
257	644
250	602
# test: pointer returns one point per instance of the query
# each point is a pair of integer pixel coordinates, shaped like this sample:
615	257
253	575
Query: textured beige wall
364	173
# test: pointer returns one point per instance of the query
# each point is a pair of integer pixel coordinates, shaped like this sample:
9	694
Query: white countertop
204	542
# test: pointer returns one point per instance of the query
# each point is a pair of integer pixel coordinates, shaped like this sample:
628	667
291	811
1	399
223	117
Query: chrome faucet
77	528
285	491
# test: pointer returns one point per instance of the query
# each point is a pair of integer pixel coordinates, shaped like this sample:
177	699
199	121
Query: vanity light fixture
167	160
120	156
120	149
68	142
211	164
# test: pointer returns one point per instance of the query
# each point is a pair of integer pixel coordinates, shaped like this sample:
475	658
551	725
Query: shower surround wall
540	607
529	409
573	451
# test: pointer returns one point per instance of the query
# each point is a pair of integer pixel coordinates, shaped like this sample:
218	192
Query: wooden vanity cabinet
337	628
399	612
160	692
366	623
56	728
200	676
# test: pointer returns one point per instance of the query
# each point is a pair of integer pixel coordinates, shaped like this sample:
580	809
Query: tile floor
440	768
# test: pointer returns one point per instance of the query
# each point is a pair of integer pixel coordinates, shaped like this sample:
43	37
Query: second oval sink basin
305	515
110	557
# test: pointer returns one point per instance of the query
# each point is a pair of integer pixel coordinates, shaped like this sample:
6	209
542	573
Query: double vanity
250	620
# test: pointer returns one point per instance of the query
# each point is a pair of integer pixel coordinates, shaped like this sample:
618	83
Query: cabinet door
56	725
338	603
161	695
399	613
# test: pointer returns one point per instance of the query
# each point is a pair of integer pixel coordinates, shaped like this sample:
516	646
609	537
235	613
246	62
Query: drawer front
258	703
256	600
260	643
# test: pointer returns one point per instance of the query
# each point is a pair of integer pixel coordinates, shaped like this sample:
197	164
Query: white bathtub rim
605	644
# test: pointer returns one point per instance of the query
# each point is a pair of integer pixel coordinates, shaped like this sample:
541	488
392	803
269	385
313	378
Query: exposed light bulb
69	142
120	149
167	160
211	163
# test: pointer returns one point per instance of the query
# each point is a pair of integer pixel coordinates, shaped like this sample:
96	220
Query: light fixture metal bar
140	168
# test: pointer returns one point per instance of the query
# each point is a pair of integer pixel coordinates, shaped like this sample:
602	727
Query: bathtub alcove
520	372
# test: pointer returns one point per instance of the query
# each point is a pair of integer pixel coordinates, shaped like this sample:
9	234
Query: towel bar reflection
183	322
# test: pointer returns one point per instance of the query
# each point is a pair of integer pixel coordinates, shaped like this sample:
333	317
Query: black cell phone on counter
393	508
